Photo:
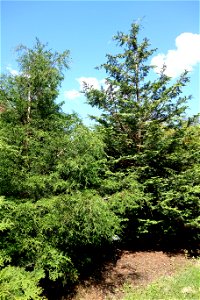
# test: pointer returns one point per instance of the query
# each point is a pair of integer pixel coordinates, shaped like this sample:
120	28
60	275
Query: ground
132	268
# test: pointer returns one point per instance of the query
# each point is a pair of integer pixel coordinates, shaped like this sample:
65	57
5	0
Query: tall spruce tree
32	123
132	105
145	128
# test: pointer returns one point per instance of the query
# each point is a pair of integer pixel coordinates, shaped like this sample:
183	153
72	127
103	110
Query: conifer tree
132	105
145	128
32	123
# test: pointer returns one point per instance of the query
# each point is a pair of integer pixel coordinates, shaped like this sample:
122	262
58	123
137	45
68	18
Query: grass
185	285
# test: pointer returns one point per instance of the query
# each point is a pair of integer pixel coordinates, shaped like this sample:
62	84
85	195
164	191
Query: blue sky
86	29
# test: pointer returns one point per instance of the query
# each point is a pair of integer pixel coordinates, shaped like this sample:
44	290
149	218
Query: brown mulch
133	268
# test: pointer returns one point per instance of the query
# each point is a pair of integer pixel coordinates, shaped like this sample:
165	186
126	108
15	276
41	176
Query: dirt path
134	268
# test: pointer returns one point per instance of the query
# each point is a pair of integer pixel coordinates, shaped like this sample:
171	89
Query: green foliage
171	176
149	141
50	221
85	219
180	207
133	106
66	191
18	284
82	161
49	152
31	123
49	234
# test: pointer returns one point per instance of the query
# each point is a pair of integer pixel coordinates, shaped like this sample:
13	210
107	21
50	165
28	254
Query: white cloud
90	81
184	57
12	71
72	94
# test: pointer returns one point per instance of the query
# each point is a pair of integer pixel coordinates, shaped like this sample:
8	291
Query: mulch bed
133	268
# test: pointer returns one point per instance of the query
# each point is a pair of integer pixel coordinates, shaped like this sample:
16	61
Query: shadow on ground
112	268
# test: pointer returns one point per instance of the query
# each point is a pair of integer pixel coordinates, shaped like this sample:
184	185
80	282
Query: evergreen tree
30	96
132	105
145	127
32	122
